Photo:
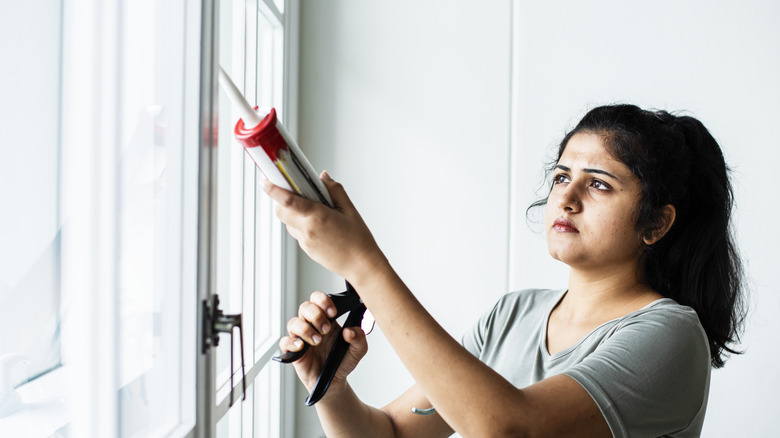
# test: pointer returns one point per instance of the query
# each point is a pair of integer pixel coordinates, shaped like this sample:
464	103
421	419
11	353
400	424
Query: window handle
215	321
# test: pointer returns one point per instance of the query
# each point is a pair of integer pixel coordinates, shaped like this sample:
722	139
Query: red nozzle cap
264	135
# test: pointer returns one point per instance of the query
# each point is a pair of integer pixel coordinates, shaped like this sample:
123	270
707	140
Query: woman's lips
564	226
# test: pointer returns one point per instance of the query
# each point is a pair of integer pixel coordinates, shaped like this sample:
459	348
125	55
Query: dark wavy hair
679	162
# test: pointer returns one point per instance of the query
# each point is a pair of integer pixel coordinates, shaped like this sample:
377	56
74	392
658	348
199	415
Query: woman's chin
565	256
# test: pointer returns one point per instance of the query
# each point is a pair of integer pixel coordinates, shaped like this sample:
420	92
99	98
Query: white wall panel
406	103
389	87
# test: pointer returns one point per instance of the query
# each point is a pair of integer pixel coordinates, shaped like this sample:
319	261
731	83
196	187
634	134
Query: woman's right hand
313	326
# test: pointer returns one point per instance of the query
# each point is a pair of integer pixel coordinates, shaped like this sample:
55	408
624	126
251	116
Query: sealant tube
273	149
276	154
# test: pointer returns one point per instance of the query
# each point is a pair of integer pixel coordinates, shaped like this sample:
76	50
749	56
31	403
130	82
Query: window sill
44	409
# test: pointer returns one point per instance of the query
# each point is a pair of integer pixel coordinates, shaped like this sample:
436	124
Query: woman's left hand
336	238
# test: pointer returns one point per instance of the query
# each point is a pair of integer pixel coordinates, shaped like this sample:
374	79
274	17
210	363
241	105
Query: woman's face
589	220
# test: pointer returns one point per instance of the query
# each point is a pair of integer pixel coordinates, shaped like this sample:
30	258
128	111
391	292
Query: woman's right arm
347	416
341	412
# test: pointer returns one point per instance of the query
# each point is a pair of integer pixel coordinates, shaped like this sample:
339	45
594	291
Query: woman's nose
570	200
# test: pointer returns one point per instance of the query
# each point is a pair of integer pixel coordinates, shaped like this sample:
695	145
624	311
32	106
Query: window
128	215
150	300
249	238
30	225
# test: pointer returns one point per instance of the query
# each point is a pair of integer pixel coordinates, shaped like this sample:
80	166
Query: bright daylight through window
104	189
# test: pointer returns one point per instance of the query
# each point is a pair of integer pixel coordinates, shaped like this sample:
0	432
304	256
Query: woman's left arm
471	397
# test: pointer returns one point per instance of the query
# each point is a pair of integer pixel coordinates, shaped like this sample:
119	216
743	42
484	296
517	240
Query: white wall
407	104
386	87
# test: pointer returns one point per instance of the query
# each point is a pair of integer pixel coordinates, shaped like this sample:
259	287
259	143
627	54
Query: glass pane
248	236
150	299
267	402
230	185
268	240
30	195
270	62
264	394
266	316
279	5
230	425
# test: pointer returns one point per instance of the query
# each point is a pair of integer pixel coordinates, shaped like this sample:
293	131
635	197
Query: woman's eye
600	185
560	178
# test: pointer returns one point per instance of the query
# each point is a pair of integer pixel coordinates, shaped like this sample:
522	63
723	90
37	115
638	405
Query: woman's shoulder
664	321
665	311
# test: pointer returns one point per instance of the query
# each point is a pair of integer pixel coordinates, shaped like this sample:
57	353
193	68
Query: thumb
336	190
358	344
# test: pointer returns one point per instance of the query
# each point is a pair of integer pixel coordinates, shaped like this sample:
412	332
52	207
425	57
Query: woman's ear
668	214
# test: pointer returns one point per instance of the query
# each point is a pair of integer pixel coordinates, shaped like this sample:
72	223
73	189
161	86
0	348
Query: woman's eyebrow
588	170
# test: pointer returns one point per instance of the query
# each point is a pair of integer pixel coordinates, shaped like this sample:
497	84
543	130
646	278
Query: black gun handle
344	302
337	353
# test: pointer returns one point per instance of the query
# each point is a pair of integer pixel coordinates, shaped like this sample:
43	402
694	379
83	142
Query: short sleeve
650	378
512	321
474	339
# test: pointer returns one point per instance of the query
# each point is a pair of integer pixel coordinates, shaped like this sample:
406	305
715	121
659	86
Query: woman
639	209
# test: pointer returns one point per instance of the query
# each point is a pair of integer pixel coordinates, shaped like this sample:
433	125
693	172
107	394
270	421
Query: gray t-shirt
648	371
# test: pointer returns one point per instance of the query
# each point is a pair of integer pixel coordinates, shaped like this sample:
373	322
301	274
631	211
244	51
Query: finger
290	344
314	315
275	192
302	329
321	299
299	215
358	345
336	191
285	199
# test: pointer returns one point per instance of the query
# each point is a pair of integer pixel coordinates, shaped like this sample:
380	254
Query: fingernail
331	312
326	175
316	339
325	328
298	343
266	185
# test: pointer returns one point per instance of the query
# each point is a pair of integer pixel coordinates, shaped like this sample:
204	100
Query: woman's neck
604	297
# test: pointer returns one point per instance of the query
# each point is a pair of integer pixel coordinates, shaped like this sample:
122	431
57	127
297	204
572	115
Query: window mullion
206	363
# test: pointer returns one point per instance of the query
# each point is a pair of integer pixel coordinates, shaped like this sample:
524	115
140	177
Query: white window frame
257	359
90	378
